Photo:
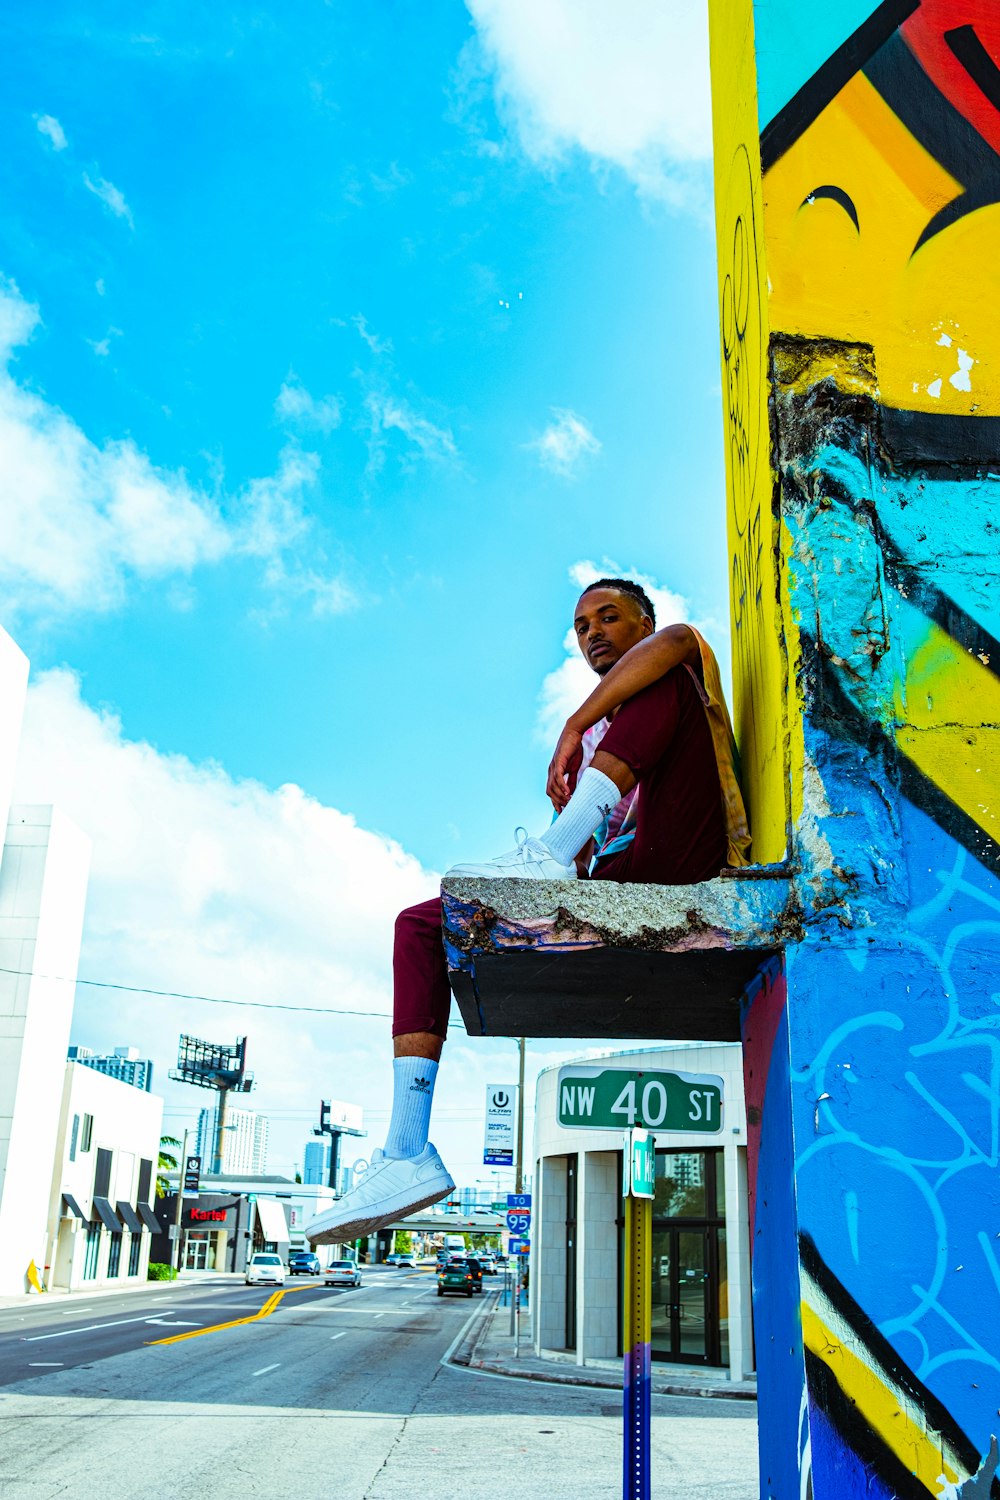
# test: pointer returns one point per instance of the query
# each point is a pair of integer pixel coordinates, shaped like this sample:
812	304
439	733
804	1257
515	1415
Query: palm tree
167	1163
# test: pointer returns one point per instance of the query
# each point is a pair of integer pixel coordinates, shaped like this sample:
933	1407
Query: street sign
613	1098
501	1116
519	1220
640	1161
519	1200
192	1177
518	1246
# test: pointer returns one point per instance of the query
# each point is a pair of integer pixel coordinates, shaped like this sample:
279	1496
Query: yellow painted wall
758	663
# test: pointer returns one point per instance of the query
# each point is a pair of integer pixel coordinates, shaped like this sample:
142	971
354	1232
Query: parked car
265	1267
456	1276
343	1273
303	1262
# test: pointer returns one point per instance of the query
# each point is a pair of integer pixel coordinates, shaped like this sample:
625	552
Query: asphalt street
326	1394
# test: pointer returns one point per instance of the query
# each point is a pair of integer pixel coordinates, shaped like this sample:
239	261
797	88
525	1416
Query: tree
167	1163
403	1241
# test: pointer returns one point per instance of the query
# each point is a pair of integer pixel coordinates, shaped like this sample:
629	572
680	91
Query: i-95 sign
617	1099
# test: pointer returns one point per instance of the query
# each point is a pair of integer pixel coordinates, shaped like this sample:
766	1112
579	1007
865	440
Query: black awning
107	1215
148	1217
73	1209
131	1218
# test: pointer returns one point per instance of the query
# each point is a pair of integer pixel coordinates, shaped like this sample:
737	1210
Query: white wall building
43	883
102	1201
244	1146
701	1249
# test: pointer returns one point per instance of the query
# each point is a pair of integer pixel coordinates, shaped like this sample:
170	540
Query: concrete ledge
596	958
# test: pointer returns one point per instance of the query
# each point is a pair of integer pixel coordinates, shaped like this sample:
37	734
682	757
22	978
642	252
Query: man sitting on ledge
644	787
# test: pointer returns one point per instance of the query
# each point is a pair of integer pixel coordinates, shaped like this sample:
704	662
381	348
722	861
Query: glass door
196	1250
685	1321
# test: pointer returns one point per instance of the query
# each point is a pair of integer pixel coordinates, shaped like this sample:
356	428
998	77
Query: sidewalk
488	1345
130	1288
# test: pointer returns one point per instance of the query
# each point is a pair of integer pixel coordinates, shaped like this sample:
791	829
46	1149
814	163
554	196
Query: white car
343	1273
264	1268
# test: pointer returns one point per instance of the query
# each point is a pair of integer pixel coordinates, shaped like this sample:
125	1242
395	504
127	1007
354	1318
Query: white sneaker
390	1188
531	860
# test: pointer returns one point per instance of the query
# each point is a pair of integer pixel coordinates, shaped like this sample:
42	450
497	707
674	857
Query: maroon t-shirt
663	736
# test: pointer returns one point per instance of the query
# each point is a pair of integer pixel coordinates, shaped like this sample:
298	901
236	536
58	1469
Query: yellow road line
263	1312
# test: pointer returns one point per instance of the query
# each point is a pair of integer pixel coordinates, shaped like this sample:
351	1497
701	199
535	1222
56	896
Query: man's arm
649	660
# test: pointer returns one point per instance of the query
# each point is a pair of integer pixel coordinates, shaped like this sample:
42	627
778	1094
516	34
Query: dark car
456	1276
475	1265
303	1262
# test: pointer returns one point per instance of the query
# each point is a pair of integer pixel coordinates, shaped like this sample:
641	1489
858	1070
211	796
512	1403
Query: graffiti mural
873	1058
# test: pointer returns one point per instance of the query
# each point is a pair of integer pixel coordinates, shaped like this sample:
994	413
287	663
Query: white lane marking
266	1368
338	1336
379	1315
92	1328
45	1364
173	1323
75	1312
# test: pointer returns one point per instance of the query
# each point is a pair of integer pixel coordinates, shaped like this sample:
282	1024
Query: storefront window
91	1252
135	1255
679	1186
114	1255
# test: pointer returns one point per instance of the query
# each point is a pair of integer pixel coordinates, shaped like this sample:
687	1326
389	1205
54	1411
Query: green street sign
642	1158
617	1099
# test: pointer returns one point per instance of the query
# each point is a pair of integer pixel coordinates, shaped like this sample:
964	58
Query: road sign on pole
519	1220
591	1098
501	1117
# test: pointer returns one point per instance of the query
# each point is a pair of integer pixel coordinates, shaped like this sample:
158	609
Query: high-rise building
316	1162
124	1064
244	1146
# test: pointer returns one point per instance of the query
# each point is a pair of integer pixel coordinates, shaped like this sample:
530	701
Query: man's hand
564	767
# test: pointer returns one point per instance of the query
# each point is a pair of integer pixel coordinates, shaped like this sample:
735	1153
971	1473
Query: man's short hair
626	586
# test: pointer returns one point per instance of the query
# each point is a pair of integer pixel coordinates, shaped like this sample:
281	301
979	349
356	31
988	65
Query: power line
135	989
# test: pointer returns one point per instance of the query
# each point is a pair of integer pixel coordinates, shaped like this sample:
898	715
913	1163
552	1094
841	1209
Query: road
335	1394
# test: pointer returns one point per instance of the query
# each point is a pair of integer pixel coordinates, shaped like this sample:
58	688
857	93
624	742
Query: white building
43	884
701	1240
244	1146
102	1205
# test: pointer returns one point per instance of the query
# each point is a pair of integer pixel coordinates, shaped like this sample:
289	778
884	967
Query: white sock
412	1095
595	796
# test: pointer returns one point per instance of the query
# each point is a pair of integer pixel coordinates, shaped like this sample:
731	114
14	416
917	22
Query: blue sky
341	334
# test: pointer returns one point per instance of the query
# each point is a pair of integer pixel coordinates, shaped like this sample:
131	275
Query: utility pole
519	1161
222	1126
175	1249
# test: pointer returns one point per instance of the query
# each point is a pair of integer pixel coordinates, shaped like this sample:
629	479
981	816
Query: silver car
343	1273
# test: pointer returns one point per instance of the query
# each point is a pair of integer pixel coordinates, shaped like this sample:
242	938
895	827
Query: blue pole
637	1337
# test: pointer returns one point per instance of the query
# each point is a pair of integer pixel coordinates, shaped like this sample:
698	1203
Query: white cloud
388	414
113	198
625	81
205	884
296	406
78	521
376	345
565	443
566	687
49	126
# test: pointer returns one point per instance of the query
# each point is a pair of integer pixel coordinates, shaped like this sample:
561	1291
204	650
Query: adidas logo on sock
420	1086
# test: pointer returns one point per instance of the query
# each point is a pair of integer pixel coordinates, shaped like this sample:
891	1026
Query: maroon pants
662	735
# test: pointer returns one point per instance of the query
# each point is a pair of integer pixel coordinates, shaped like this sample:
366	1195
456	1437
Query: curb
466	1353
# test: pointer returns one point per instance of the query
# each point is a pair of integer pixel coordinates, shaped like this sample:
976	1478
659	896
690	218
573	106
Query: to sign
519	1200
613	1098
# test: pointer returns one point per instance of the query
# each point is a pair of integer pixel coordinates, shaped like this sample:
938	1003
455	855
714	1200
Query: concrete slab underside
541	959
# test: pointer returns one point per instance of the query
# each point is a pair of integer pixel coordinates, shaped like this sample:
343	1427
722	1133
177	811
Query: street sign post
639	1174
610	1098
